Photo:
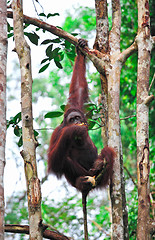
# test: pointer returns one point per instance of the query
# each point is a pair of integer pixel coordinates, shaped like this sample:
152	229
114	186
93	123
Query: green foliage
102	220
129	23
66	215
16	211
128	86
42	69
33	37
69	49
10	30
55	213
83	19
152	16
15	123
129	89
56	54
93	115
49	15
14	120
132	200
53	114
152	112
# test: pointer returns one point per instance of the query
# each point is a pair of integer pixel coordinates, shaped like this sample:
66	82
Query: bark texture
142	133
3	62
109	45
29	143
102	44
47	234
114	122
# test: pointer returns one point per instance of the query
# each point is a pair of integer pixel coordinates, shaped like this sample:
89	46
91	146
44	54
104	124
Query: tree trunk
114	122
109	45
102	44
142	133
3	62
29	143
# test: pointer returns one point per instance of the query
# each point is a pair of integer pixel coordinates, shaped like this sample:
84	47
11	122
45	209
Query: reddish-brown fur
78	92
71	152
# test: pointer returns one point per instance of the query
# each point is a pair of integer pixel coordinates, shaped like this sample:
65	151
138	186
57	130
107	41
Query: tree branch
149	99
98	62
54	235
133	180
100	228
50	28
152	82
127	53
131	116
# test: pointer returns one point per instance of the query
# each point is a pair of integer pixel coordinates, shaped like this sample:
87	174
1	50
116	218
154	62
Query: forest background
50	89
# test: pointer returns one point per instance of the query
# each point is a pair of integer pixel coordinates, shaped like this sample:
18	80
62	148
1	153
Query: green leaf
42	15
53	114
36	133
47	41
91	124
56	40
44	68
67	44
26	25
63	107
9	27
14	120
49	52
96	116
10	35
89	104
55	52
20	142
17	131
44	60
33	37
58	64
59	57
17	118
11	121
75	34
52	15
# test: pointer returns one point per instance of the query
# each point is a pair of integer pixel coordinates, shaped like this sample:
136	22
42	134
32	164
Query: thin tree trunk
142	133
3	62
114	122
109	45
29	143
102	44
